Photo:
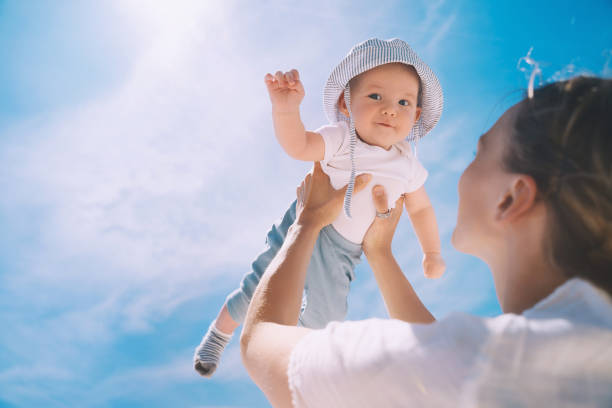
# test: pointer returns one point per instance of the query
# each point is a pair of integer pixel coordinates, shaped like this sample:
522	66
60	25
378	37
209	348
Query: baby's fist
286	90
433	265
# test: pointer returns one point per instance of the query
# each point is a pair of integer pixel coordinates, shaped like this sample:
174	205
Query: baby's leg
224	321
218	336
208	353
328	279
238	301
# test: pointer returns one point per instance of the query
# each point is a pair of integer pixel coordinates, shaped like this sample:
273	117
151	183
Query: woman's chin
458	241
455	240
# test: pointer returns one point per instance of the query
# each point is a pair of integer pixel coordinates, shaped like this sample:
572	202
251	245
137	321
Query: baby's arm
286	94
425	226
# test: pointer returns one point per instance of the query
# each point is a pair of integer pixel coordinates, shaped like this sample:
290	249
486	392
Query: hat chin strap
415	135
352	143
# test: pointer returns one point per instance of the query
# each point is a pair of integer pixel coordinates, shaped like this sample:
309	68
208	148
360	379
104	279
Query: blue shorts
328	278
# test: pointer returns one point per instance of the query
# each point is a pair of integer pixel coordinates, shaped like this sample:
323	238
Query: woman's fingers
300	192
317	172
361	181
303	189
380	199
381	202
399	203
379	236
307	185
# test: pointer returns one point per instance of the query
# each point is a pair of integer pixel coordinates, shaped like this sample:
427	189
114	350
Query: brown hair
563	139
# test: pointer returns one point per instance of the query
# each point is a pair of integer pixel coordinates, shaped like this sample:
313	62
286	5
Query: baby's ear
342	105
419	110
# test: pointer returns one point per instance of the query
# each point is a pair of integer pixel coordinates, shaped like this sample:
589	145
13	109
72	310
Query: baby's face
384	104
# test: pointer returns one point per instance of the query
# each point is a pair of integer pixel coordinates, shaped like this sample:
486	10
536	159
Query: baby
378	99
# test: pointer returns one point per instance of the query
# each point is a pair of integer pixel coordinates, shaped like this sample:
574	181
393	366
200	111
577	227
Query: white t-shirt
396	169
556	354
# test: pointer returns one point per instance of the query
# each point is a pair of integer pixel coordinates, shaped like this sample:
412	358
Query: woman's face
481	191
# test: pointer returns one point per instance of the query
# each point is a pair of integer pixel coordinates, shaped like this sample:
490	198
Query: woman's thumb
361	181
380	198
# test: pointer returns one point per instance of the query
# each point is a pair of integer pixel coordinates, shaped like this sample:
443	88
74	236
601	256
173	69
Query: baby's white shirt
397	169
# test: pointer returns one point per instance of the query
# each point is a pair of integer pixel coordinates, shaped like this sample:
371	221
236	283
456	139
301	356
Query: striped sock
208	353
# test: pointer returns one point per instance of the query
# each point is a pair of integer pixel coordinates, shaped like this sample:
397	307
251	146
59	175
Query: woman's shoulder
577	301
573	312
373	339
462	356
558	350
349	363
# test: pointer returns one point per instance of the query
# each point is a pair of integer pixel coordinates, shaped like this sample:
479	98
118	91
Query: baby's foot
208	353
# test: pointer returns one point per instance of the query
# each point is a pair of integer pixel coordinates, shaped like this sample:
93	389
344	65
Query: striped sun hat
363	57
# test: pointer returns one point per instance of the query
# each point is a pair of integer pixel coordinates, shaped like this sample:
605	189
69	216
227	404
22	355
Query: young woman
536	206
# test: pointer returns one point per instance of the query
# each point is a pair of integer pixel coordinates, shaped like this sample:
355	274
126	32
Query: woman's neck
521	269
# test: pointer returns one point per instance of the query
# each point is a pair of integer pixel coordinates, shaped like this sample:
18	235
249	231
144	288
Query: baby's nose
389	112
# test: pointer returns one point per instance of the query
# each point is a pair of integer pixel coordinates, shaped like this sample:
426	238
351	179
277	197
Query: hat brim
375	52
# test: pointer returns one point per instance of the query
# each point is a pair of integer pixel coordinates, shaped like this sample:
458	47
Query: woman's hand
380	234
400	298
318	203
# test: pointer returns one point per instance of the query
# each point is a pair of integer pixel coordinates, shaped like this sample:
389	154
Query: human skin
400	299
224	321
384	104
500	220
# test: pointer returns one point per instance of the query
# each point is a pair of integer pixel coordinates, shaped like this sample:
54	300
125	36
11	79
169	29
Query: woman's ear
342	105
518	199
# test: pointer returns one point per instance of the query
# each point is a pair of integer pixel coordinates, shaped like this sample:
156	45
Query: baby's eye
375	96
404	102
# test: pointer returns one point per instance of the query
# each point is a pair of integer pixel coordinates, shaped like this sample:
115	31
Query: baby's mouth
384	124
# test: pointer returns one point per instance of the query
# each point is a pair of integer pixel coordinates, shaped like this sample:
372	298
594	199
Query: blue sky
140	172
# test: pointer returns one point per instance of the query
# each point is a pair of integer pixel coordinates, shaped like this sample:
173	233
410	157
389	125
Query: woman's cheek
466	196
464	181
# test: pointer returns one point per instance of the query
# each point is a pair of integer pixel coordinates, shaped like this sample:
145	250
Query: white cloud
440	33
160	188
139	181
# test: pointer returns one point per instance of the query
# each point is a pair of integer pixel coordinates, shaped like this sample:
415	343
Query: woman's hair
563	139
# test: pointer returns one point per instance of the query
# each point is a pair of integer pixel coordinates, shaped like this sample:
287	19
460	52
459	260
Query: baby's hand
433	265
286	91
